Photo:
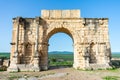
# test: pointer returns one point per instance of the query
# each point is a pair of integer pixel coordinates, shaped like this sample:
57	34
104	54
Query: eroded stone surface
30	39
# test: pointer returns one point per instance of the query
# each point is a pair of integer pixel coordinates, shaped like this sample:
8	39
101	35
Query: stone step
98	66
24	67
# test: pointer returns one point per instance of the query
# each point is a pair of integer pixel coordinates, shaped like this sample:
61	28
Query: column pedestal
44	63
36	67
13	65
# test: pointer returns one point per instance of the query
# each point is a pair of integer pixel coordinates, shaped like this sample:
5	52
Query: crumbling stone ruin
30	37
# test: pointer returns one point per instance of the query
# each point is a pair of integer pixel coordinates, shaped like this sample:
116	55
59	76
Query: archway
61	30
60	51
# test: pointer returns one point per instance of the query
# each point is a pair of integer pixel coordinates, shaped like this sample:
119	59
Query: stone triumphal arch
30	37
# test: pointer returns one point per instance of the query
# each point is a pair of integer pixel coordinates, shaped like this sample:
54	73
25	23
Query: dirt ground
60	74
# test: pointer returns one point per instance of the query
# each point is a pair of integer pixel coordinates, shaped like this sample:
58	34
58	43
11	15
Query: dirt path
60	74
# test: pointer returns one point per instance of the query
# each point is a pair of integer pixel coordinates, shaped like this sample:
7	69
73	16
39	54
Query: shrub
115	63
53	59
111	78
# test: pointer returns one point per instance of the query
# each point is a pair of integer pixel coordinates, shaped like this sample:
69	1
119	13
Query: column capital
12	43
20	20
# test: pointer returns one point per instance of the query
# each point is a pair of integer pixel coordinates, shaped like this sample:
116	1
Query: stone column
98	36
87	57
108	52
13	65
78	56
106	56
44	57
17	38
36	55
23	43
75	64
36	42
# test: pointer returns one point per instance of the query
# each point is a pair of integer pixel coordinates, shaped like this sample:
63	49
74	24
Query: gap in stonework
60	51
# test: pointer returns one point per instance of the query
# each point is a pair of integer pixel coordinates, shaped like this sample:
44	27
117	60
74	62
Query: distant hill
60	52
115	52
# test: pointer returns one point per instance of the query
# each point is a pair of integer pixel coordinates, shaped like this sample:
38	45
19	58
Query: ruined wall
31	36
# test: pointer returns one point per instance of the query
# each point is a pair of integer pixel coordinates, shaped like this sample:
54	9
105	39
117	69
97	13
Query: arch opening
62	30
60	50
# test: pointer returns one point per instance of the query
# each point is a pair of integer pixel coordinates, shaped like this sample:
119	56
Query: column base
13	68
81	67
36	69
77	66
13	65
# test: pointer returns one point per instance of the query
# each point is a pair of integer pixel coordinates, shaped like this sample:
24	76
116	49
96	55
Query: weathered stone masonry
30	37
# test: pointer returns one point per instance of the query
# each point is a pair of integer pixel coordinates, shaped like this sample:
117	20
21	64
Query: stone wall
60	14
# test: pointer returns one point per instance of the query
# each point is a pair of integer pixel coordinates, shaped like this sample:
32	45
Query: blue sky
31	8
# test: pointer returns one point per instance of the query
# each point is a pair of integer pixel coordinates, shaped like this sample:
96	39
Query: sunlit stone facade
30	37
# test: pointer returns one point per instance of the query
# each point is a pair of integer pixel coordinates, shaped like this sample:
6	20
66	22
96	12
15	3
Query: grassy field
4	55
116	54
60	56
62	59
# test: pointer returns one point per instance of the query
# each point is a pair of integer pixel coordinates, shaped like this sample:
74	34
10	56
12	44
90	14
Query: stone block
66	14
55	13
6	62
75	13
45	13
60	13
